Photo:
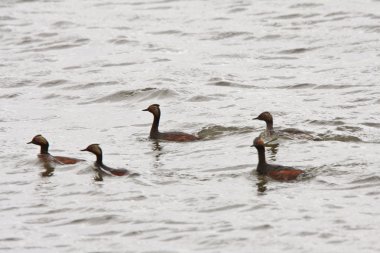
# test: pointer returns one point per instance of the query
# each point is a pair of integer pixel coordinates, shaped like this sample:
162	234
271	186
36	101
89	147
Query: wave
297	50
298	86
227	35
337	137
230	84
53	83
214	131
139	95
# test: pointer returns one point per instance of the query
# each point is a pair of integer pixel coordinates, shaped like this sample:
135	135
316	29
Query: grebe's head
258	142
154	109
93	148
39	140
265	116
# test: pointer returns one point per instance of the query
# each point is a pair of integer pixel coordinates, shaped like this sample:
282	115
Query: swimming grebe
274	171
269	135
169	136
267	117
96	150
44	153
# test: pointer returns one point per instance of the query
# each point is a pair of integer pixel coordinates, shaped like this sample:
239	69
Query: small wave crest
227	35
337	137
136	95
298	86
214	131
53	83
297	50
230	84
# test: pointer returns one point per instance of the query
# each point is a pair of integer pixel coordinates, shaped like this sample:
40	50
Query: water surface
80	72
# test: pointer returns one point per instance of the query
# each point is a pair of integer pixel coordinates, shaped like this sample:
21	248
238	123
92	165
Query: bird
269	135
168	136
46	156
100	166
274	171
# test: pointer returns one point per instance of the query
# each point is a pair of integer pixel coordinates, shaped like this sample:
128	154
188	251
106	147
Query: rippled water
80	72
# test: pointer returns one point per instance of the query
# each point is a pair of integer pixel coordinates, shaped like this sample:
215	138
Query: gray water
80	72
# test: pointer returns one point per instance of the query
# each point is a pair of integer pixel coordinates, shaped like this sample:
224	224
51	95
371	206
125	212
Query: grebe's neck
261	154
44	149
270	126
156	122
262	165
99	159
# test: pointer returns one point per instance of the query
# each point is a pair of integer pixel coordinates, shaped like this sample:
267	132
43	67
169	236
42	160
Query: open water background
80	72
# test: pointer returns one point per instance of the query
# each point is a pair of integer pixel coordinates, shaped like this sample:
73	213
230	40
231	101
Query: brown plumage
168	136
267	117
96	150
274	171
44	152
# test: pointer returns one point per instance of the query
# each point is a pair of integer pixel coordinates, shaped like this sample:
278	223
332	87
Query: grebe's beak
84	149
145	110
31	142
252	145
256	118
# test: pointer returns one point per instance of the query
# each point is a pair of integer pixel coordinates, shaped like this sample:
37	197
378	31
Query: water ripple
230	84
214	65
297	50
139	95
214	131
227	35
224	208
53	83
59	45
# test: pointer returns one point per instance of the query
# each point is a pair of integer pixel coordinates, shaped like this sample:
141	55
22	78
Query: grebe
272	170
169	136
269	135
96	150
44	153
